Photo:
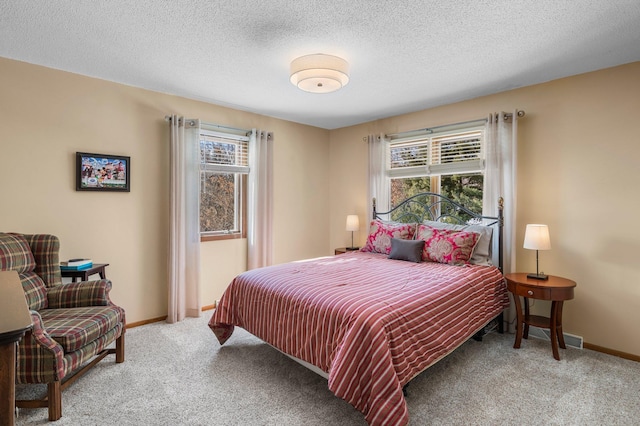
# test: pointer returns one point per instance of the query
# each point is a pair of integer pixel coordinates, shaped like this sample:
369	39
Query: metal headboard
437	207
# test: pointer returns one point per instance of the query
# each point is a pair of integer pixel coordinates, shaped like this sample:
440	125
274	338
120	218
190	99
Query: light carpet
178	374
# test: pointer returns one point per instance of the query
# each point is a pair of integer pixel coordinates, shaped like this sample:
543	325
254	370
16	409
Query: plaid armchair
72	323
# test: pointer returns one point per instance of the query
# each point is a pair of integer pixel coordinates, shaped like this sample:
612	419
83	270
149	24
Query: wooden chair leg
54	398
120	348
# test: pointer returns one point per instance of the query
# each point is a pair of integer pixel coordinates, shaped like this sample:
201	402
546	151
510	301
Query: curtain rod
507	115
519	112
219	126
431	129
191	121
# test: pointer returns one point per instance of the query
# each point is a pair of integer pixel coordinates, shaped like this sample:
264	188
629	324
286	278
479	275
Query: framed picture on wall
102	172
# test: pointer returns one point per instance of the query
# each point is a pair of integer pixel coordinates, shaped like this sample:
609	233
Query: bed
371	320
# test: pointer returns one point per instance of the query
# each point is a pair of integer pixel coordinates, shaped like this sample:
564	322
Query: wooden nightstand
342	250
555	289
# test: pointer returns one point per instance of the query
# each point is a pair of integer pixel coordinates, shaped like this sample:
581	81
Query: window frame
425	140
242	232
240	173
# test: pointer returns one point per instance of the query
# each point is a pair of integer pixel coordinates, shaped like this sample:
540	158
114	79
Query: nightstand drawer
533	292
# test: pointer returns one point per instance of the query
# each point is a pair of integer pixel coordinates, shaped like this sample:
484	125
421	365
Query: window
223	188
447	162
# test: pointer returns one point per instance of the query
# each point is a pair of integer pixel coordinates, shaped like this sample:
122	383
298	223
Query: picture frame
102	172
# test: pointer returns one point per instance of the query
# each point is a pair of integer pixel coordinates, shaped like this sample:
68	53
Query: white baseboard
545	334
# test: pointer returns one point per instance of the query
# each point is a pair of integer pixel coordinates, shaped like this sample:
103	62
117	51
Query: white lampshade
536	237
319	73
353	223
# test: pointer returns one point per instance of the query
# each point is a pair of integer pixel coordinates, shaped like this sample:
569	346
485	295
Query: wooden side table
555	289
342	250
15	321
84	274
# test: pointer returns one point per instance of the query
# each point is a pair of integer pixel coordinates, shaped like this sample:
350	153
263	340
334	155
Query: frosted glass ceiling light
319	73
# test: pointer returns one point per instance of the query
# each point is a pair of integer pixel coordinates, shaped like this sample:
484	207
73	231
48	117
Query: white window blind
224	153
437	154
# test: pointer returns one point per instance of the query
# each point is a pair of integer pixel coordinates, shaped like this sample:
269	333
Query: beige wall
578	172
48	115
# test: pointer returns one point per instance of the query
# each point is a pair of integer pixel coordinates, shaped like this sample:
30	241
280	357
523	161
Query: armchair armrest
40	335
40	358
76	295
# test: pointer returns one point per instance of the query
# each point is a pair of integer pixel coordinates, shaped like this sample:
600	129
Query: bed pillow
447	245
381	232
410	250
482	251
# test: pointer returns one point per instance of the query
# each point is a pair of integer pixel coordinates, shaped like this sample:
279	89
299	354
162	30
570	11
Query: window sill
235	236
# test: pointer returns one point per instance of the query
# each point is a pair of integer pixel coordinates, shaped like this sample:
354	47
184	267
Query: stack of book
76	264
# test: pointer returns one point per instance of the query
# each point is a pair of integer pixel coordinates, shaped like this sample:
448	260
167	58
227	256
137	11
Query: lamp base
538	276
352	248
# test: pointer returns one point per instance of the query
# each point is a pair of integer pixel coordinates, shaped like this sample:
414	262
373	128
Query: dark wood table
15	321
84	274
555	289
342	250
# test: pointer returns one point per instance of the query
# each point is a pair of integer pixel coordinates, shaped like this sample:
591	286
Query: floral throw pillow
381	233
447	245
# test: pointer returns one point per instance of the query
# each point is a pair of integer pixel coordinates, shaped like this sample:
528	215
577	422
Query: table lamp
536	237
353	224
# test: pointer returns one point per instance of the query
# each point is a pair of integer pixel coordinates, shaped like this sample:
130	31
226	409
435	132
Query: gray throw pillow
410	250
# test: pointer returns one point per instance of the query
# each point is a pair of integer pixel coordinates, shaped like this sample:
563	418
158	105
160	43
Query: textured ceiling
404	55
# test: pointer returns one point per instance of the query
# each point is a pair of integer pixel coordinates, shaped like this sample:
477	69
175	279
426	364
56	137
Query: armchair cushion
41	359
74	328
79	294
16	255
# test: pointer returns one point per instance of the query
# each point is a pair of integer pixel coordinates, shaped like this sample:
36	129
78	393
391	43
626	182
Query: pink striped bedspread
370	322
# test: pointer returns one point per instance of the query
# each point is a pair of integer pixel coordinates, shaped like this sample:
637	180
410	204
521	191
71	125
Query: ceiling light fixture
319	73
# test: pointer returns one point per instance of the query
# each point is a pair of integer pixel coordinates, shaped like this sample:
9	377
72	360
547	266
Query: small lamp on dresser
536	237
353	224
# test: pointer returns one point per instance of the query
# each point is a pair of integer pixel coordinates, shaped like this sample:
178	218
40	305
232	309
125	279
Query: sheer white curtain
260	200
500	180
500	177
378	179
184	238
